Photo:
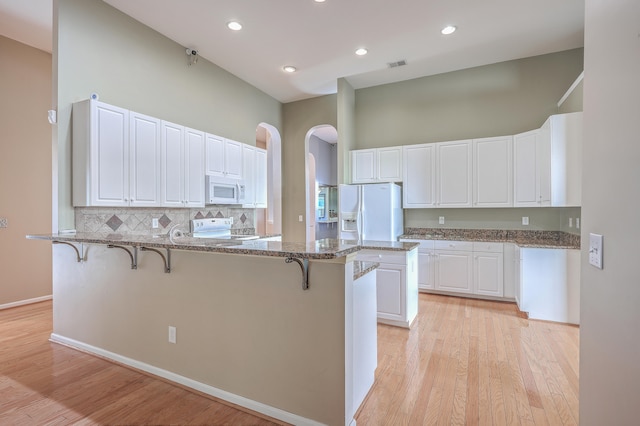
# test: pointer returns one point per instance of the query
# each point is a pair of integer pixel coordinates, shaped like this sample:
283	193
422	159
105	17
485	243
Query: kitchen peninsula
245	328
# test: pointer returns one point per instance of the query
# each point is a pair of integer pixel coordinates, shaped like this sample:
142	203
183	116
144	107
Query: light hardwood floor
474	362
464	362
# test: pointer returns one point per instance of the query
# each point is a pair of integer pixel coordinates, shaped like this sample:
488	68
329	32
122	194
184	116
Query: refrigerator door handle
360	213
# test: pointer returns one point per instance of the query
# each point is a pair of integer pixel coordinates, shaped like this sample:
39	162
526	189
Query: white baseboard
25	302
193	384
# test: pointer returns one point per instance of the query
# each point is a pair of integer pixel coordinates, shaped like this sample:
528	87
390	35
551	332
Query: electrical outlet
300	218
595	250
172	334
154	223
441	220
578	222
525	220
4	222
570	222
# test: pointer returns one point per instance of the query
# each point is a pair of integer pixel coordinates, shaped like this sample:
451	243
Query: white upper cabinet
144	160
172	165
376	165
565	135
363	166
454	174
419	176
531	163
224	157
389	161
215	155
116	156
249	175
182	166
194	160
261	178
254	174
493	172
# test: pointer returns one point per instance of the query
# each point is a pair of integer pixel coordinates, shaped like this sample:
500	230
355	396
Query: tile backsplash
139	220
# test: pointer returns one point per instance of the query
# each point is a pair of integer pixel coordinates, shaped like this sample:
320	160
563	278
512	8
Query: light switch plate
154	223
525	220
3	222
441	220
595	250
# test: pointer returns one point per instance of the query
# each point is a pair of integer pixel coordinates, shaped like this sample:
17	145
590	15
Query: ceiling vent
399	63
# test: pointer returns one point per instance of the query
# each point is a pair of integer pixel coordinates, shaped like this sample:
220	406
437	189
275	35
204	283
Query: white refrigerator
370	212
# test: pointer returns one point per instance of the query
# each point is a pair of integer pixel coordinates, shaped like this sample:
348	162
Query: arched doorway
321	178
269	220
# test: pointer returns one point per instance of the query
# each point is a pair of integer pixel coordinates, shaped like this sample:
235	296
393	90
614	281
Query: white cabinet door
172	182
532	169
363	166
391	291
488	273
249	174
426	269
144	160
493	172
454	174
389	162
454	271
261	178
109	155
215	155
194	166
233	159
419	173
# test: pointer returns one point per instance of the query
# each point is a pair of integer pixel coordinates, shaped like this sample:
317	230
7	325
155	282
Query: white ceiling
320	38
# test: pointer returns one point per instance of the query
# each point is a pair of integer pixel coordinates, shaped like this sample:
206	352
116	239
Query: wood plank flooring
464	362
43	383
474	362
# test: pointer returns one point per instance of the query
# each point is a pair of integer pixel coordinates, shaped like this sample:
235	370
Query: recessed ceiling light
234	25
289	68
319	1
361	51
449	29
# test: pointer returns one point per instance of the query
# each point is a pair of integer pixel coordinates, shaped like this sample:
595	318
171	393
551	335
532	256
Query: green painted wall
346	128
298	119
493	100
99	49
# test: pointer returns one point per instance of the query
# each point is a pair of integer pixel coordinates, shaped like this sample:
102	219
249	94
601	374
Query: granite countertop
361	268
320	249
540	239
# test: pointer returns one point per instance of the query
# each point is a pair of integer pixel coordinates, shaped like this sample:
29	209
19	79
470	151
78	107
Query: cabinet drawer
488	247
424	244
454	245
393	257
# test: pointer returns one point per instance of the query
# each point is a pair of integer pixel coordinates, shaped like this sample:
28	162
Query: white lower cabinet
466	267
396	284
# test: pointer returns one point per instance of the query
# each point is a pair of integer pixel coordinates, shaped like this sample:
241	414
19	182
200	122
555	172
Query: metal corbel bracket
166	260
78	257
133	256
304	267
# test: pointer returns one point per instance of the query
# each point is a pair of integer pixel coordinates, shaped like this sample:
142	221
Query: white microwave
221	190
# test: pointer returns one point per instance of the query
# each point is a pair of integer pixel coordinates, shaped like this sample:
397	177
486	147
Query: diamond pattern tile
209	215
114	222
243	218
164	221
199	215
219	214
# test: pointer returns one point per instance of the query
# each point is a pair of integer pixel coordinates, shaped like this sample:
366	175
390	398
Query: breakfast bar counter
226	317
